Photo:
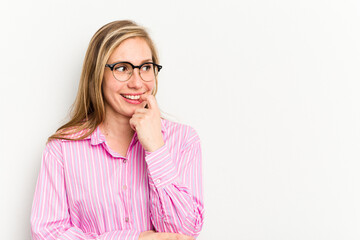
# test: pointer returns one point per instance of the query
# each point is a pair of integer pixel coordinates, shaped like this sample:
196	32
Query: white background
272	87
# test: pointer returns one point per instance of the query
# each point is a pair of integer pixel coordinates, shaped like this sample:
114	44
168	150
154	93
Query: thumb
132	125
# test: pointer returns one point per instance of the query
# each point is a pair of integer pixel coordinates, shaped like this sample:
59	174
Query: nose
135	80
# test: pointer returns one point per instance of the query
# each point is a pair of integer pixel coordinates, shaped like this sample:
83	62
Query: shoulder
68	136
183	133
73	133
53	150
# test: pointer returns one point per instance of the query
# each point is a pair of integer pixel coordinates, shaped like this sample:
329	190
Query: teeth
133	97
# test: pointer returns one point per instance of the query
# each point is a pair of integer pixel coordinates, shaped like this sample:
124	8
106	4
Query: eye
121	68
146	67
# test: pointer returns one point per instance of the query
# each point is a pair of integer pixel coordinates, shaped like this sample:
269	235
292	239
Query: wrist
155	146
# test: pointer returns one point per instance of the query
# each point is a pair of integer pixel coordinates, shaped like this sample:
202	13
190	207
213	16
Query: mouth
132	98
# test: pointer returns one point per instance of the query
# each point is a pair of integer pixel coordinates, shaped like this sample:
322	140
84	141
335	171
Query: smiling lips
132	98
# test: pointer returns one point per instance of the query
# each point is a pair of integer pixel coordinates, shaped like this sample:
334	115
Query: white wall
271	87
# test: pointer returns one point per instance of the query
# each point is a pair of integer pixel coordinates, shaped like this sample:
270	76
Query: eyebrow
147	60
143	61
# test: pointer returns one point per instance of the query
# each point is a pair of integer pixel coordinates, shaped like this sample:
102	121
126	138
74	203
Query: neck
116	127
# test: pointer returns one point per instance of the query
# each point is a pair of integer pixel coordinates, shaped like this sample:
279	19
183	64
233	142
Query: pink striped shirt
85	190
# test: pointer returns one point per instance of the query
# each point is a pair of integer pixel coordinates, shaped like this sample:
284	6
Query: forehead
134	50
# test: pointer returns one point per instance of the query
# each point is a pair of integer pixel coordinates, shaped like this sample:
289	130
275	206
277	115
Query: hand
147	124
151	235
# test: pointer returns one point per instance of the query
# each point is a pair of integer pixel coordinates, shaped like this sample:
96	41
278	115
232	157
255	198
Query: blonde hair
88	110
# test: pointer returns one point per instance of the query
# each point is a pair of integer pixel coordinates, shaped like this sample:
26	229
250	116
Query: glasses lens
148	72
122	71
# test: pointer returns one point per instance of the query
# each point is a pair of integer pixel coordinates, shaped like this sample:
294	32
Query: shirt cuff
161	167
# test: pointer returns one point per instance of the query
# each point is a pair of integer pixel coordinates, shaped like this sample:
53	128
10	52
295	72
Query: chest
99	184
99	166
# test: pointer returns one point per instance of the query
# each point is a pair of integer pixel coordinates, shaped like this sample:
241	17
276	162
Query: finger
143	97
139	116
143	104
141	110
174	236
150	99
147	235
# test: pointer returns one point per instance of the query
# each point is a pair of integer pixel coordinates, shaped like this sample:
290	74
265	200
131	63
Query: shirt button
124	187
158	181
124	161
126	219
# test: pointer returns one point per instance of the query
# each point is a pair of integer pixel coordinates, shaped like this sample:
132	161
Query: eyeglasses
122	71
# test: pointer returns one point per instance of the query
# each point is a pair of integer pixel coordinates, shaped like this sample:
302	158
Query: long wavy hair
88	110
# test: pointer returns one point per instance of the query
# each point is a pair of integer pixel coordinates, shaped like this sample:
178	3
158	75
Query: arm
50	218
174	171
176	191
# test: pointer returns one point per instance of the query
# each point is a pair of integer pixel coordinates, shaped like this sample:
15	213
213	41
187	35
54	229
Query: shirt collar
97	137
163	127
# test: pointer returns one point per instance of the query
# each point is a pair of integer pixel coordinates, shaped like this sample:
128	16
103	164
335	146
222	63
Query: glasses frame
111	66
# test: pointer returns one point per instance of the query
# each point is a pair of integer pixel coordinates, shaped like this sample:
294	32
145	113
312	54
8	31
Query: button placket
124	189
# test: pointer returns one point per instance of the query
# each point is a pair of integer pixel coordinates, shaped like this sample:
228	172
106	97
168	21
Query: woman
117	170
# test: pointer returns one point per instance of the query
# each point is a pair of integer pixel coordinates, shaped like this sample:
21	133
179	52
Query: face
121	97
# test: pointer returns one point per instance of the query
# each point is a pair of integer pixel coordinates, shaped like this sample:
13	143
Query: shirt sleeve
176	190
50	218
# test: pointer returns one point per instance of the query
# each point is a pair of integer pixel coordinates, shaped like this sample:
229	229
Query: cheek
109	89
105	93
105	88
151	86
111	85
